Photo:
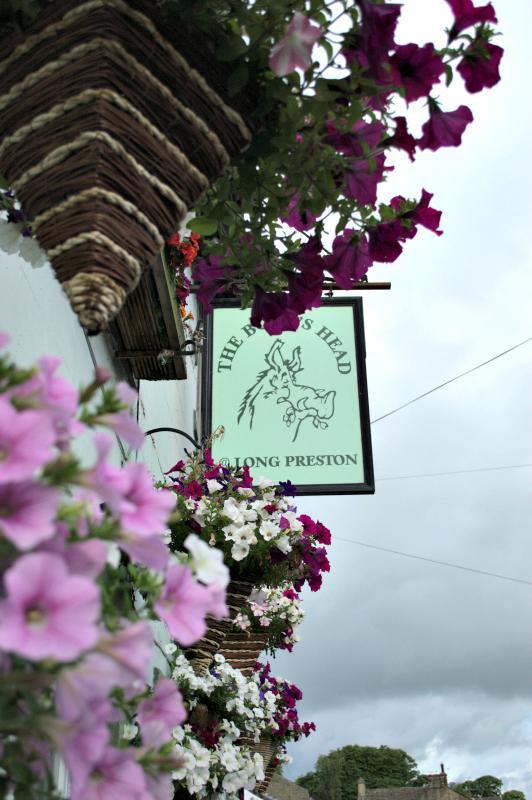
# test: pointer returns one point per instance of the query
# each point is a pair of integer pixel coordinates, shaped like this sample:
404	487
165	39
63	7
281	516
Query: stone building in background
436	788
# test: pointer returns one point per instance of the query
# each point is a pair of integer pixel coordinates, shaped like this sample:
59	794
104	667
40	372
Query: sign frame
367	486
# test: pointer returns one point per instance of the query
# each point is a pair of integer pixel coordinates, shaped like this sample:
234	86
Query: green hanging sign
292	406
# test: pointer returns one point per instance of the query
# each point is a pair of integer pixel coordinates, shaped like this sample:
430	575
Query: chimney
361	789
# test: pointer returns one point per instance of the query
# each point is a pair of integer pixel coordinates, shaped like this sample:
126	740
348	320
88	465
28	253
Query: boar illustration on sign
278	385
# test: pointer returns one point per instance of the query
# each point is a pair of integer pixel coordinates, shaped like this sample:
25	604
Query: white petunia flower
213	485
239	551
268	530
283	543
208	561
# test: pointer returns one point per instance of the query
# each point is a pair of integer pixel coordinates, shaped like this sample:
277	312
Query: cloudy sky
401	652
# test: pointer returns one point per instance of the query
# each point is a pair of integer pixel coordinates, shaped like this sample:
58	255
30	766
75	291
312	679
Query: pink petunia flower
444	128
93	677
131	648
183	604
294	50
81	742
159	714
48	613
56	395
142	509
26	442
5	338
123	423
116	774
82	558
27	513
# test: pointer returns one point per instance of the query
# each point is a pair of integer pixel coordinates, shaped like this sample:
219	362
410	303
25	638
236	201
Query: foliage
329	90
326	120
335	775
83	568
255	525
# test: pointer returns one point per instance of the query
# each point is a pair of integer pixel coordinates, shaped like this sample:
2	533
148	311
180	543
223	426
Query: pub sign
293	406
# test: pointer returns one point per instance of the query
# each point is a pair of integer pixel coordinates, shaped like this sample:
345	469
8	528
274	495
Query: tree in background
336	774
486	786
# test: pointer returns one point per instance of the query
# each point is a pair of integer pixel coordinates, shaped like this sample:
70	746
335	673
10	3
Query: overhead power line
434	561
453	472
451	380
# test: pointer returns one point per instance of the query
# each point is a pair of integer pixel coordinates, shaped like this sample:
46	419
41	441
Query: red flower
174	240
480	66
416	69
444	128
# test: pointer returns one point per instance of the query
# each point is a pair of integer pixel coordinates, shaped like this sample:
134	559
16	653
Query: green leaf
238	79
448	74
3	183
203	225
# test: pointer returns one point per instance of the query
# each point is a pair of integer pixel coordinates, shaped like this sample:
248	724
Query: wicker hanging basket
242	649
109	137
202	654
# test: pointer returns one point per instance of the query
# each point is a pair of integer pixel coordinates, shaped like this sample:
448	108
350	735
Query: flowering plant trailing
256	526
228	696
83	570
285	726
181	255
276	611
332	89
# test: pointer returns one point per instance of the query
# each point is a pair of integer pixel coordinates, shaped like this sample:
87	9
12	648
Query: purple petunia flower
416	69
444	128
479	67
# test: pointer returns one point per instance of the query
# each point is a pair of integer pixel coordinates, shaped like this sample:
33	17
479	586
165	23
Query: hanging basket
202	654
148	334
242	650
109	137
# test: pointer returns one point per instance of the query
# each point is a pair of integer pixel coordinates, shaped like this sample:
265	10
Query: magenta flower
27	513
131	649
401	138
115	774
183	604
363	135
294	50
479	67
444	128
305	286
350	259
467	14
362	178
48	613
379	21
385	241
274	309
299	220
416	69
211	276
26	442
160	713
422	214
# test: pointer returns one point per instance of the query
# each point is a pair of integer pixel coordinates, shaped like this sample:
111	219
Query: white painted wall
38	317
